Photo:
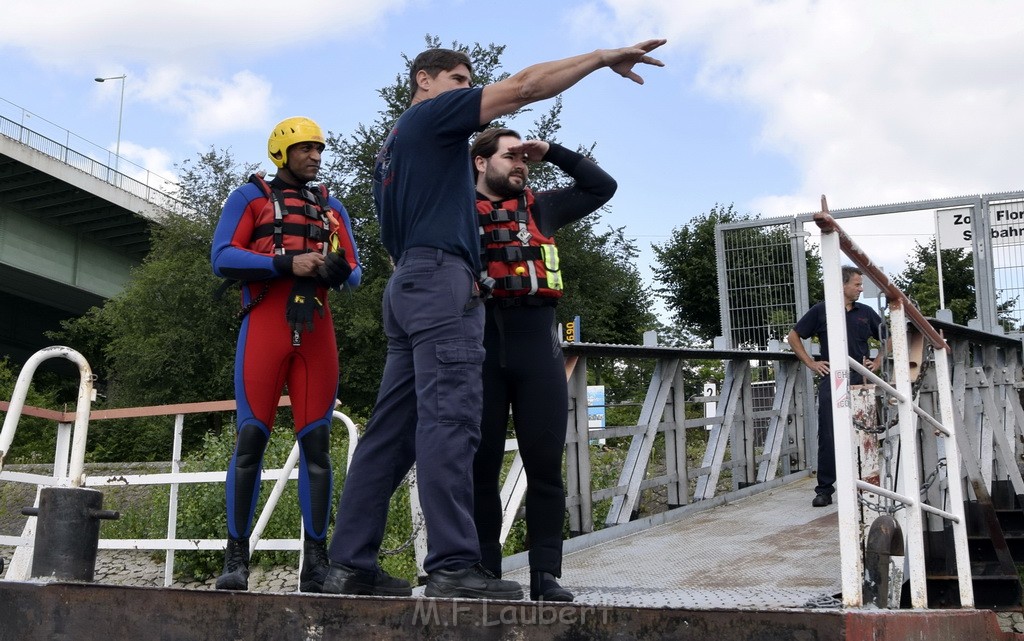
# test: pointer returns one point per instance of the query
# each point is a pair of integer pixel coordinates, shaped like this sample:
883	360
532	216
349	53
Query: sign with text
1006	221
572	330
954	227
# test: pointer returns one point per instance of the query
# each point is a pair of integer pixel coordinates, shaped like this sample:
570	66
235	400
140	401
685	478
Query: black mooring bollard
885	540
67	532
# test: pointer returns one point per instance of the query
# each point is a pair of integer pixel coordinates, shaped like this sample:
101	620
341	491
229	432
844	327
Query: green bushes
202	508
36	438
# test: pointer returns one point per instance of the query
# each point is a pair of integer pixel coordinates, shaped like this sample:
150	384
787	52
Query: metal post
120	113
851	561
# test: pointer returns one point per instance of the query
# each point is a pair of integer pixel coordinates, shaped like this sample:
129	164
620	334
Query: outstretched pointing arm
548	79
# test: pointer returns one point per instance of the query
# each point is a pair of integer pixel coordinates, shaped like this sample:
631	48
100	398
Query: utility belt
522	301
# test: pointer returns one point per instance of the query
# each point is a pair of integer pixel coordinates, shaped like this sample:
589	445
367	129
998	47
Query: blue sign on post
595	410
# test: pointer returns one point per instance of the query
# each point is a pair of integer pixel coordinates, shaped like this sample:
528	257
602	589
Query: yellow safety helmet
291	131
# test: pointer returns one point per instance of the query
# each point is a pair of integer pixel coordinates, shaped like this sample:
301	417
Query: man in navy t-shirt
862	323
429	404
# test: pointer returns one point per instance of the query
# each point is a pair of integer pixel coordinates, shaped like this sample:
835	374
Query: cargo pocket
459	381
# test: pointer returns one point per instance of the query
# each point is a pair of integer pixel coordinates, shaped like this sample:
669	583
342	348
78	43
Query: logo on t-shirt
382	174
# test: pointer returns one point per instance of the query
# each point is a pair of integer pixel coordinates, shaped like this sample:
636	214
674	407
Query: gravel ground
145	569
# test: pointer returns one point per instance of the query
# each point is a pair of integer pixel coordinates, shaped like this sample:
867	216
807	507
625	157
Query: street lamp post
120	111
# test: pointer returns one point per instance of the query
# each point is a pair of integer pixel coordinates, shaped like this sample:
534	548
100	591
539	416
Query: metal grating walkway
769	550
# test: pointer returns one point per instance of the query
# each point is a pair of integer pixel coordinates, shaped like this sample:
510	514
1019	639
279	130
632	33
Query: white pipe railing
69	466
73	474
834	243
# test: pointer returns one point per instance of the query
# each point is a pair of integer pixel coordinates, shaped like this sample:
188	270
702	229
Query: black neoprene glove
335	270
302	303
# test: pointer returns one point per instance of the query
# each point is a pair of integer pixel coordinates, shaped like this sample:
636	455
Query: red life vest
522	261
298	221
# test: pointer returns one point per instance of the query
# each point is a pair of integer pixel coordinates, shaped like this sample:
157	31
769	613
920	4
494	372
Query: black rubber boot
315	566
236	566
544	587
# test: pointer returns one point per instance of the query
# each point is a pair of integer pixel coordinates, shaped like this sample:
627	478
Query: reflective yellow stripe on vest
549	253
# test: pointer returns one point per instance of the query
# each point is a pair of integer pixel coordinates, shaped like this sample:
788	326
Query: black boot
236	566
544	587
315	566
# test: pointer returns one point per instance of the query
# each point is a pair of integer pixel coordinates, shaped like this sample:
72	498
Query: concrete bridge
71	229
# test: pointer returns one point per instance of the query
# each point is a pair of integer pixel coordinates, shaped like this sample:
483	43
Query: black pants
427	411
826	440
524	369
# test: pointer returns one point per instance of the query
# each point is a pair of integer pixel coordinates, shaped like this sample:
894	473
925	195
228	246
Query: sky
765	104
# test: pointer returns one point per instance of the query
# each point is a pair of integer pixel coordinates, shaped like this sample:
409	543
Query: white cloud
153	167
874	101
186	32
175	52
213	107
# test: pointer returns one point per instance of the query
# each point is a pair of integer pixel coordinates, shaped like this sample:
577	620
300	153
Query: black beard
501	186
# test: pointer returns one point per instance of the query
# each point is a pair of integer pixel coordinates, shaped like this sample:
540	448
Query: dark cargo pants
427	411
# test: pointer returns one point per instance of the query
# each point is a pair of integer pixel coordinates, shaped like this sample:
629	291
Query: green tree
165	338
686	272
920	281
35	439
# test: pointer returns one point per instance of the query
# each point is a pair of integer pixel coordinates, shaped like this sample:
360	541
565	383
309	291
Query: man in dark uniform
428	406
524	369
862	323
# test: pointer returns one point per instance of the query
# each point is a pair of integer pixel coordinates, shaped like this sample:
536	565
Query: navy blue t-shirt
862	323
423	179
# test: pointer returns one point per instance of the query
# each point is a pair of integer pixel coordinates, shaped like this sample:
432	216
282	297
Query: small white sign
954	227
710	407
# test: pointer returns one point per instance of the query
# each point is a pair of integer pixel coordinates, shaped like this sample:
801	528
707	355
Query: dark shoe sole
563	596
363	589
232	583
816	503
456	592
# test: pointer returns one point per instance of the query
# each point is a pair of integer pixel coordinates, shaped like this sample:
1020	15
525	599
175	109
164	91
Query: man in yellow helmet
287	242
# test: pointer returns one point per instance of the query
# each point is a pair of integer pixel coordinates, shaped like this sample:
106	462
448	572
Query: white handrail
73	475
71	472
834	243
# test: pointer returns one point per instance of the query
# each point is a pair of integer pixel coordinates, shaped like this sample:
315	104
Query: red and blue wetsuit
254	245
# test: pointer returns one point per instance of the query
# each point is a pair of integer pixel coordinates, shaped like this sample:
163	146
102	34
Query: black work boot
474	582
315	565
821	500
544	587
236	566
342	579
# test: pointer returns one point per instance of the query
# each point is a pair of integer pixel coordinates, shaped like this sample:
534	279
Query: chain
887	414
824	601
256	301
931	477
926	362
890	506
417	525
